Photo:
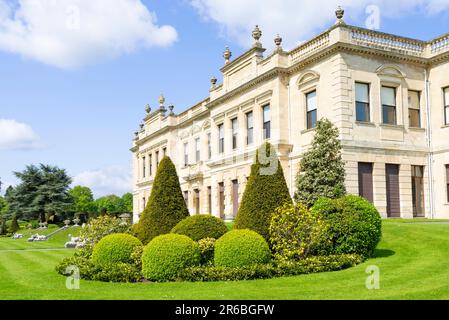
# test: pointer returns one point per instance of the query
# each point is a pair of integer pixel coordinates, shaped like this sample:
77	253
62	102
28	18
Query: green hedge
200	227
239	248
354	226
115	248
115	272
270	270
168	254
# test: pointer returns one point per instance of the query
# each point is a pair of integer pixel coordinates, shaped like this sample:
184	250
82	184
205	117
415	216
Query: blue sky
78	108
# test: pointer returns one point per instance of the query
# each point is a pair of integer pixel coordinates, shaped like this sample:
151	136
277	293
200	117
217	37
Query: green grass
412	257
56	241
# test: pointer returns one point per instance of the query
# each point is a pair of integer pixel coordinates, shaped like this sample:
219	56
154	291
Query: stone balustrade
388	42
310	47
440	44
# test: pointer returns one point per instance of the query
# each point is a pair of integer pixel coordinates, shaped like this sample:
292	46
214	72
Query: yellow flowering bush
295	232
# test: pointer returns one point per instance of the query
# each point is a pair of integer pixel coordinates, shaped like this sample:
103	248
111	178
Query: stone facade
406	151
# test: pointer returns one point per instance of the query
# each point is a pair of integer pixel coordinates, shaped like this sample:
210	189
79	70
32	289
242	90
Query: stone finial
148	108
257	34
278	43
227	54
161	103
213	82
339	13
171	107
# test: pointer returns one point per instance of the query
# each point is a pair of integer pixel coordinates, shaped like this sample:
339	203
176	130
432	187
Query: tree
322	170
41	194
14	225
127	199
83	200
166	206
111	204
265	191
4	207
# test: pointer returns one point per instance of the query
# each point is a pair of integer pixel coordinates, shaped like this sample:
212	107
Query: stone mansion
388	95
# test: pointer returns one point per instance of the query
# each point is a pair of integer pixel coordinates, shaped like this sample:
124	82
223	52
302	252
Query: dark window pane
389	114
311	119
362	112
249	138
414	117
266	130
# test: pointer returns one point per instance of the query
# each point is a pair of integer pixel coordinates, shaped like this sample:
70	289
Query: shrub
295	232
265	191
102	226
322	170
270	270
239	248
136	257
354	225
166	255
166	206
115	248
116	272
211	273
200	227
86	267
206	247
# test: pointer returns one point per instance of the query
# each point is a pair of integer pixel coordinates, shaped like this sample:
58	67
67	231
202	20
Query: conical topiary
166	206
322	169
265	191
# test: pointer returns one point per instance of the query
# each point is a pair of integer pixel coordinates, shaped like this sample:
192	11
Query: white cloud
110	180
17	136
73	33
297	20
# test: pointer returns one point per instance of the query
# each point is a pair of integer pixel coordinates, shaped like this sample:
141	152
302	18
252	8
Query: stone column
228	199
405	189
215	198
352	177
380	188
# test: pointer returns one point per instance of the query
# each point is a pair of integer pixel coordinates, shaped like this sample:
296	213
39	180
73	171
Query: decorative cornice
275	72
244	56
154	134
154	146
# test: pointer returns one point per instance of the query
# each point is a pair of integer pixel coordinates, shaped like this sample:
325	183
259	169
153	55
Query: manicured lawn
56	241
413	259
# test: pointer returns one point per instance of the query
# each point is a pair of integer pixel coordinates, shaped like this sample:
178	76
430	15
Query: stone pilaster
380	188
405	187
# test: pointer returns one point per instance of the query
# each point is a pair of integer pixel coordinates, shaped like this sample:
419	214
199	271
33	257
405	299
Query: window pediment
308	78
390	70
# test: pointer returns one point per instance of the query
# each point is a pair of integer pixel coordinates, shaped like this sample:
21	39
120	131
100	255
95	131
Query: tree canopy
83	200
41	194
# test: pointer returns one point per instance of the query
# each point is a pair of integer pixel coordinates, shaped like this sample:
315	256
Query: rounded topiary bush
239	248
115	248
200	227
168	254
353	225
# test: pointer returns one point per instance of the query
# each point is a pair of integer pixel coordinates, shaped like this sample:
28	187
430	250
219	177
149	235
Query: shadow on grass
383	253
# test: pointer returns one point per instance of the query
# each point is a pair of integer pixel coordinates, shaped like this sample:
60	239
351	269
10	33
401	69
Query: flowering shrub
295	232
